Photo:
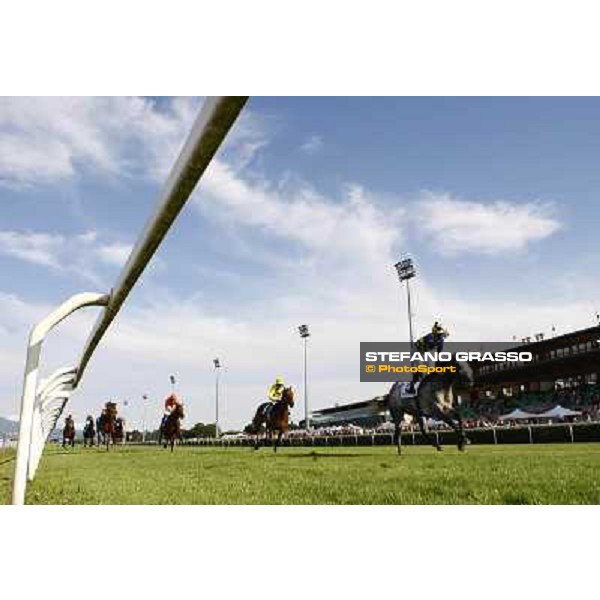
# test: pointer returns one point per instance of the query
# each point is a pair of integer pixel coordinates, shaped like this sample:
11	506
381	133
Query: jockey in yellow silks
276	390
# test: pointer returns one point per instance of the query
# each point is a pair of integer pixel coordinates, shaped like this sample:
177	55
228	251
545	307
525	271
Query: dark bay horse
171	429
89	432
275	417
108	423
435	399
68	436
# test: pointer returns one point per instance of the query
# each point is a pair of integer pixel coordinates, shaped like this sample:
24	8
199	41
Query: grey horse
435	398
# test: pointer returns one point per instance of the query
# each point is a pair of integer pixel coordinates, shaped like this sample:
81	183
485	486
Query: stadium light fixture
217	364
305	334
405	269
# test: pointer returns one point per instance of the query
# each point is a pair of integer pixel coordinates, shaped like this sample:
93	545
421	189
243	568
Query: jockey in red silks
170	403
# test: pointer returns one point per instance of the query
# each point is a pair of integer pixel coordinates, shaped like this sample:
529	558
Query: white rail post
36	338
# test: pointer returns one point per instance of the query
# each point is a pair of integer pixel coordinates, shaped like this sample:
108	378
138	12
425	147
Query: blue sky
299	219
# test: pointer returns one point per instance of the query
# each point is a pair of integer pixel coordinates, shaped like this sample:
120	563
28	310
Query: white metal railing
41	406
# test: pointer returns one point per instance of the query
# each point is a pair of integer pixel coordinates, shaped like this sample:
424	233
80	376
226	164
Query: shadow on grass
316	455
11	459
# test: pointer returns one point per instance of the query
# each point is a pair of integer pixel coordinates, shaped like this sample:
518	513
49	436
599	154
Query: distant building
368	413
564	361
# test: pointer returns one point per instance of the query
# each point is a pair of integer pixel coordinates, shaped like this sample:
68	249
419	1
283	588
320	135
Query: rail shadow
11	459
316	455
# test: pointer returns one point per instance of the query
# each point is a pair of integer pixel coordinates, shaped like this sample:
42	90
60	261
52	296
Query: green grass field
520	474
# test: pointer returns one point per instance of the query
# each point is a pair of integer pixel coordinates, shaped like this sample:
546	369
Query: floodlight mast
406	271
217	364
305	334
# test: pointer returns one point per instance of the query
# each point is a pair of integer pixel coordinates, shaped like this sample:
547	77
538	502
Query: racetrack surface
518	474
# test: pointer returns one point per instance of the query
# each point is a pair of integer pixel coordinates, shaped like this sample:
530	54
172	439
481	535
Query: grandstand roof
355	411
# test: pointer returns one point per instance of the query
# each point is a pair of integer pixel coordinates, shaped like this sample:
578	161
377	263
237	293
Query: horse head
178	411
287	396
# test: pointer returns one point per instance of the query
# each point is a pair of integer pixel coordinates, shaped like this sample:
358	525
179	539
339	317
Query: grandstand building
564	361
368	413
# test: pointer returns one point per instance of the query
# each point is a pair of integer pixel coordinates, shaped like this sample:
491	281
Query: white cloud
49	139
115	254
37	248
456	226
312	145
78	254
344	233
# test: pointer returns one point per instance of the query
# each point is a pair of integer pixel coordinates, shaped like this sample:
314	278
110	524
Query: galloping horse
99	430
89	432
107	423
171	429
119	435
69	432
435	399
275	417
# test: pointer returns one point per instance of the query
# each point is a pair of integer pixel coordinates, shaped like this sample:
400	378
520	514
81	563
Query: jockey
112	405
437	330
276	390
170	403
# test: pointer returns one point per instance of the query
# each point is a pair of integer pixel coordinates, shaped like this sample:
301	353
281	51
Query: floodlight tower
144	403
217	364
406	271
305	334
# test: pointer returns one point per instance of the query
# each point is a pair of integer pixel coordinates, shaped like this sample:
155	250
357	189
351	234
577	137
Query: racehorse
107	424
275	417
119	435
69	433
89	432
171	428
435	399
99	430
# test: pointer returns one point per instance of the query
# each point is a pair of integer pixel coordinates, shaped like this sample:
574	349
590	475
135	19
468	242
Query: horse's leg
172	442
458	427
432	441
278	440
398	431
258	427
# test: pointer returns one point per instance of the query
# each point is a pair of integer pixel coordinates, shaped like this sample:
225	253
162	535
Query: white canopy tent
558	412
517	415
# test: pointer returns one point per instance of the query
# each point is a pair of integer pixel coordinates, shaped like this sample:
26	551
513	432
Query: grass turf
519	474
